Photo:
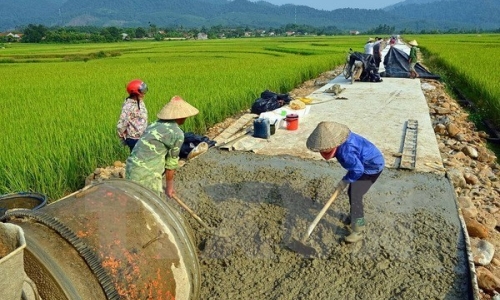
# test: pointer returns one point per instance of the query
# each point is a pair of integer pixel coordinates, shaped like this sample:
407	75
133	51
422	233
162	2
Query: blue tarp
396	65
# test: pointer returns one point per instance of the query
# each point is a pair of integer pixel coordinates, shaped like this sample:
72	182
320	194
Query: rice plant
61	103
469	62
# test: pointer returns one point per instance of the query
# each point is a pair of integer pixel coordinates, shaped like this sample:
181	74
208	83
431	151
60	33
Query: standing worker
392	41
157	151
377	52
412	60
369	46
363	161
134	115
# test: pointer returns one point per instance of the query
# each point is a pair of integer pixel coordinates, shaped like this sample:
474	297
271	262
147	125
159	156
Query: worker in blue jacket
363	161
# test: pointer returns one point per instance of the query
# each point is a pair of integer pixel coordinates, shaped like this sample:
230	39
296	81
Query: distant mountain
448	14
412	2
409	14
18	12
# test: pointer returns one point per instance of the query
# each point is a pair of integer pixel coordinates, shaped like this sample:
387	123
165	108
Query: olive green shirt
157	149
413	54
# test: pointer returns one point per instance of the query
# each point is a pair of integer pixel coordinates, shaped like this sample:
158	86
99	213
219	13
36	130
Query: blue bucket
261	128
26	200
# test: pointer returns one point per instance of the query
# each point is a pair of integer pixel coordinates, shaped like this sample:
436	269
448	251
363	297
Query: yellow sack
297	104
306	100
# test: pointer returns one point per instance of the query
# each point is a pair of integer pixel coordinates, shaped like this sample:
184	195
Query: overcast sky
334	4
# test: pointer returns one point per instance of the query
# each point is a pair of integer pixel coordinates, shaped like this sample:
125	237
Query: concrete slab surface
377	111
404	210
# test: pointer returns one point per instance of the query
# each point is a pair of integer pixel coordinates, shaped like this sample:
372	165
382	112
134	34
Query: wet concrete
414	247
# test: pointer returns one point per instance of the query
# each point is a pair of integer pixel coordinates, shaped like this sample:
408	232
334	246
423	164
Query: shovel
300	246
207	228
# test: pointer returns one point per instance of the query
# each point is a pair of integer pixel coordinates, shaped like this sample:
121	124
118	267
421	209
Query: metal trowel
300	246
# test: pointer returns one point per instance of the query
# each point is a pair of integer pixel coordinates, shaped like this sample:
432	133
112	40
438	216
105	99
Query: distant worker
363	161
369	46
392	41
134	115
412	59
383	44
157	151
377	52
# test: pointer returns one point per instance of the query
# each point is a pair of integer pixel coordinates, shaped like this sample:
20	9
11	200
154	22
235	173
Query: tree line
82	34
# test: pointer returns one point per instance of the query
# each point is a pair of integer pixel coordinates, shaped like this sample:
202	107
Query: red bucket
292	121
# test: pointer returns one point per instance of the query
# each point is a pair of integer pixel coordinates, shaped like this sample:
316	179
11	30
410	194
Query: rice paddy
61	102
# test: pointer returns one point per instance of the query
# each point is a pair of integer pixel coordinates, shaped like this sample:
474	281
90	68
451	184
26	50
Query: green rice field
470	63
61	102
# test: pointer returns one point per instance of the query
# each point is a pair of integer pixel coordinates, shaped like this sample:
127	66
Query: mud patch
414	247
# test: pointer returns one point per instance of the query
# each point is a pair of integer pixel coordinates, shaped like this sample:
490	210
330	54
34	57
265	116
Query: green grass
61	102
468	63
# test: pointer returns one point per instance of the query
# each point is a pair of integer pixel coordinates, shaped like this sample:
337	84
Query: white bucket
12	244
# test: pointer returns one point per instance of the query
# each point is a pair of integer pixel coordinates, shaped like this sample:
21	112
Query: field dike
414	247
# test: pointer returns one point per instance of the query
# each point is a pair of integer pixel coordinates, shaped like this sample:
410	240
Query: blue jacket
359	156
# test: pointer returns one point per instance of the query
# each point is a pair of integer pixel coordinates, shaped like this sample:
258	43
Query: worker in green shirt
413	58
157	151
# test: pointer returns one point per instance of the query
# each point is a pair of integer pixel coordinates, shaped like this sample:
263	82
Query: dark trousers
356	192
378	60
131	143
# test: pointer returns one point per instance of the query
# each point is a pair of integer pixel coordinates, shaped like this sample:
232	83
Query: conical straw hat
413	43
326	136
177	108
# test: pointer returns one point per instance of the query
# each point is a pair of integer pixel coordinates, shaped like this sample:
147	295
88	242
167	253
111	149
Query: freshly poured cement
413	249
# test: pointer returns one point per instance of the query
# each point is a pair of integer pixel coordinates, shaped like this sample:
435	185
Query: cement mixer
110	240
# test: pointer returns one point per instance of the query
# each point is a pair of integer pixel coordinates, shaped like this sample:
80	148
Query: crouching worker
363	161
157	151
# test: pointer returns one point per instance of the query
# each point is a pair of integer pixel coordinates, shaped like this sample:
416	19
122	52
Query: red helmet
137	87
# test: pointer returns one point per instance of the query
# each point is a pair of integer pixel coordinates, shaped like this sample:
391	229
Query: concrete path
415	246
377	111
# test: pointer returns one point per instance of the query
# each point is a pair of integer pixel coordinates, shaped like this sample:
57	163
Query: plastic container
24	200
12	244
261	128
273	116
272	128
292	121
282	112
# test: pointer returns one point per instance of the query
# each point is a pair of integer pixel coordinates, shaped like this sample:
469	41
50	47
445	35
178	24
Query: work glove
342	185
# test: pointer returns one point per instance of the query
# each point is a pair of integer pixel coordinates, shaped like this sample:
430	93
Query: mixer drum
112	240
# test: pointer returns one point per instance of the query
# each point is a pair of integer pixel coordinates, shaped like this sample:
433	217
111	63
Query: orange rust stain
158	277
169	295
121	291
81	233
112	264
126	268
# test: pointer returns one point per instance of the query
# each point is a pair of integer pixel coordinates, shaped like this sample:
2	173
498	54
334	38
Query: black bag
269	101
375	77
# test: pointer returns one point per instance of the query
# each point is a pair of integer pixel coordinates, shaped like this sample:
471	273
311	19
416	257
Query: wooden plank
237	127
228	145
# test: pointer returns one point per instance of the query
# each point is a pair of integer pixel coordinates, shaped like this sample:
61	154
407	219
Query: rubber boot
358	228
